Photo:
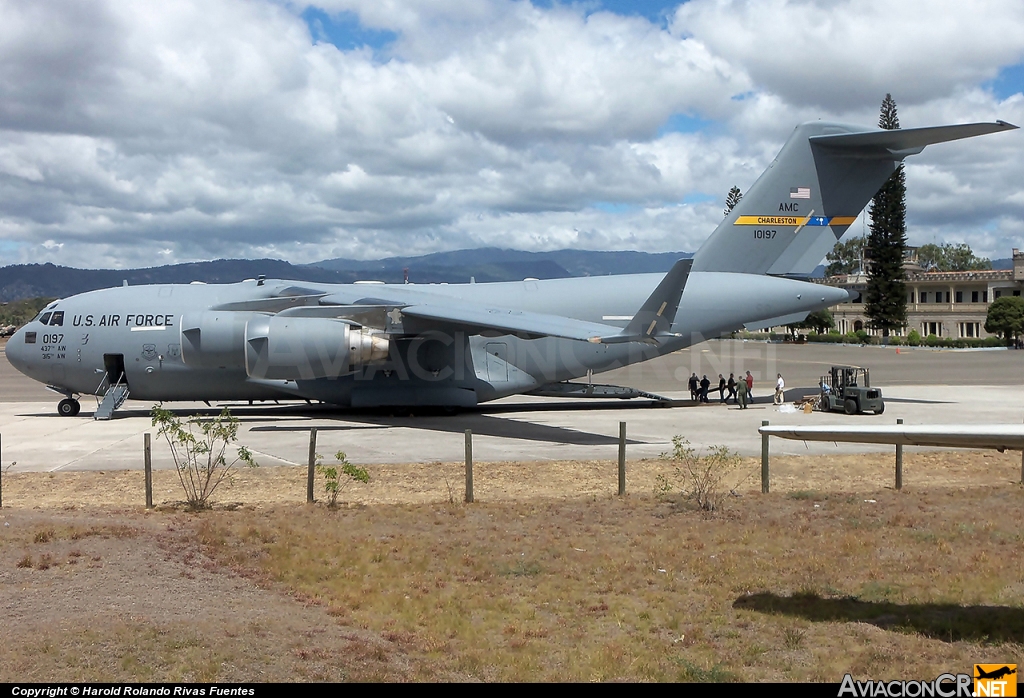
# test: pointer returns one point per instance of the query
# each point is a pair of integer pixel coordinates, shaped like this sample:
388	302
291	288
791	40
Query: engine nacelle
211	339
303	348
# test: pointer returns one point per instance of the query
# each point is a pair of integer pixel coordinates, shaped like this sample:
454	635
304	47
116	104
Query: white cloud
141	133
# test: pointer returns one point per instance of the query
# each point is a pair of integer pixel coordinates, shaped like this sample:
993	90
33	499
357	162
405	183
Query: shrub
198	447
333	482
914	338
703	476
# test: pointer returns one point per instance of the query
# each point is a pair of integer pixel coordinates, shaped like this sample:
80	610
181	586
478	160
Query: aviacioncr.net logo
944	686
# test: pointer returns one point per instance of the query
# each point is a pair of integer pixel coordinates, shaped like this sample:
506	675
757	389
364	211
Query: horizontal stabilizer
904	141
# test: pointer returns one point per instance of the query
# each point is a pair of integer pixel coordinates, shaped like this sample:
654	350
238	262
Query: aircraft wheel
68	407
881	408
850	406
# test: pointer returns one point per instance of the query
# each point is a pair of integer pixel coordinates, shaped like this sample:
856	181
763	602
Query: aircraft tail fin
812	192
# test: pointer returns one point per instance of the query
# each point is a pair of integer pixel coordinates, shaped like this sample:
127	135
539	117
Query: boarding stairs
114	397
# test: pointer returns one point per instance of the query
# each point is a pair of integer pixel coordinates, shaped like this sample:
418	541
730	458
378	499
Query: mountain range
21	281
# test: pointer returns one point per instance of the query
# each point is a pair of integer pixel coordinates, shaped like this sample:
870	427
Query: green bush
197	447
914	338
931	341
333	482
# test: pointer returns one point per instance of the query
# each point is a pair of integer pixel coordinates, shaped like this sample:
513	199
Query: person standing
780	390
693	386
750	387
721	388
741	394
704	385
732	389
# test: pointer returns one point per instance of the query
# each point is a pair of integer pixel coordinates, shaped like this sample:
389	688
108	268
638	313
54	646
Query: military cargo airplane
456	345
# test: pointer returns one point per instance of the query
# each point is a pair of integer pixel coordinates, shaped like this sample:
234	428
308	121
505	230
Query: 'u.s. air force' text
130	320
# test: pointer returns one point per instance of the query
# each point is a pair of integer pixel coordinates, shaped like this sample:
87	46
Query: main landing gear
68	407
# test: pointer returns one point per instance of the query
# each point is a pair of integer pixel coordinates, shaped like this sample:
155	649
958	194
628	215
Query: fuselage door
114	364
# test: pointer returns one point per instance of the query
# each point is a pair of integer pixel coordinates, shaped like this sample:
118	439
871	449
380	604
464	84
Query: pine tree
886	298
731	199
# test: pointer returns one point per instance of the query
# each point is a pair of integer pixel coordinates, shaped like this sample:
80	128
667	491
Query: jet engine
212	339
304	348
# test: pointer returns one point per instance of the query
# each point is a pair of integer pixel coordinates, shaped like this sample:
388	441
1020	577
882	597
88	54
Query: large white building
945	304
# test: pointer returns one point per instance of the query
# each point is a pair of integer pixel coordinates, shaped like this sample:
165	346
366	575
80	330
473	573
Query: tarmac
921	386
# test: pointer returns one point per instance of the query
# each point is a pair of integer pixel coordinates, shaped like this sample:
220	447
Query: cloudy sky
144	133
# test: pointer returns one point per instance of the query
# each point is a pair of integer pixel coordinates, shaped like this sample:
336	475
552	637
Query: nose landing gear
68	407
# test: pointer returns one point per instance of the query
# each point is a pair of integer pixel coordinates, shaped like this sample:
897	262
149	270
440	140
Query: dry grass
549	578
441	482
779	588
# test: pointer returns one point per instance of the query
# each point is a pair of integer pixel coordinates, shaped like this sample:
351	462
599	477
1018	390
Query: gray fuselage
137	330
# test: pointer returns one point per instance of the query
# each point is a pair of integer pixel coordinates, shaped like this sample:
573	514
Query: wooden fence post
469	466
148	458
622	458
312	465
765	479
899	462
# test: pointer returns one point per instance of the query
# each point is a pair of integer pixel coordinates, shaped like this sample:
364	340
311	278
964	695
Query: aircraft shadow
946	622
481	424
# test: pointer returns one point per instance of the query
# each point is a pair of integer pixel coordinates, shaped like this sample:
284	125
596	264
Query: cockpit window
58	319
45	318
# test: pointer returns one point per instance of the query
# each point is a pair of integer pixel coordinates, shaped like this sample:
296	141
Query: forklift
848	389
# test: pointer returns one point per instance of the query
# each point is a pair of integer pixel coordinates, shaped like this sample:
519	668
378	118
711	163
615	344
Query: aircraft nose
15	351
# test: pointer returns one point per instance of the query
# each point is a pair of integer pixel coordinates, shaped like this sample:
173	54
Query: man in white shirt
780	389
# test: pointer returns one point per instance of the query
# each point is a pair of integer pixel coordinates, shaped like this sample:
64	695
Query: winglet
655	316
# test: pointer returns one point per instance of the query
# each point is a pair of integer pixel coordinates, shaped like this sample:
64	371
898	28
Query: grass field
832	572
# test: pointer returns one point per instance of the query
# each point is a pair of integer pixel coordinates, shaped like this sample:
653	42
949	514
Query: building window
1016	293
924	296
998	294
970	329
984	296
959	296
934	328
974	296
